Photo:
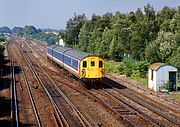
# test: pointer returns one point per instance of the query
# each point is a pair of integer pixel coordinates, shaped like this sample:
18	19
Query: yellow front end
92	67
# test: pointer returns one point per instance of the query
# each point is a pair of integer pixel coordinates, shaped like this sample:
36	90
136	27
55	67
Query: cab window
84	64
100	64
92	63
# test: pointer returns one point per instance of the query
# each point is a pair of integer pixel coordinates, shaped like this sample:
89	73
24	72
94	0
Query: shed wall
163	75
160	77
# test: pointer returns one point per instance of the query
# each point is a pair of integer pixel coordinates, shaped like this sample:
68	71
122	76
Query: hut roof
155	66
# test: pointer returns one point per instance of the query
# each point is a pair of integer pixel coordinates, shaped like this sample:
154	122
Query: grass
117	67
141	80
176	95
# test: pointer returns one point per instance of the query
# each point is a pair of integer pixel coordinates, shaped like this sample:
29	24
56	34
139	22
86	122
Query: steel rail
142	114
162	114
61	118
31	97
14	102
79	115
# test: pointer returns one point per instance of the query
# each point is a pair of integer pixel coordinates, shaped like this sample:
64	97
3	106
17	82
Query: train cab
92	68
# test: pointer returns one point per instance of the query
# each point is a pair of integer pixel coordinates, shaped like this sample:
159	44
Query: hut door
172	79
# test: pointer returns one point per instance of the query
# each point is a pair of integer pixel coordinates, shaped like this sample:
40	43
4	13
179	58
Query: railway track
14	101
154	107
176	105
50	90
39	116
115	109
147	117
121	108
30	97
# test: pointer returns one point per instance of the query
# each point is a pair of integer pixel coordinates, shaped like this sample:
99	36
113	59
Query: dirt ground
5	100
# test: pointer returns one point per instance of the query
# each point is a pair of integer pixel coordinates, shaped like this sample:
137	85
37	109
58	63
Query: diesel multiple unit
86	67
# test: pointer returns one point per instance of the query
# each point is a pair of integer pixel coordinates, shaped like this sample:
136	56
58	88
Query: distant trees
5	29
32	32
17	30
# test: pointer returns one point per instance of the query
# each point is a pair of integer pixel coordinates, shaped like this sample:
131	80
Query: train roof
70	52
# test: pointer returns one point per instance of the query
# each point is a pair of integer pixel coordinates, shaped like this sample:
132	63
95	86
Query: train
86	67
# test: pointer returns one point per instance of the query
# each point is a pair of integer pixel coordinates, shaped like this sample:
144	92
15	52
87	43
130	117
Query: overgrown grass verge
137	70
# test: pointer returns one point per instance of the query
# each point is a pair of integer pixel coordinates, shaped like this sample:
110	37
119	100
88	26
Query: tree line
32	32
144	36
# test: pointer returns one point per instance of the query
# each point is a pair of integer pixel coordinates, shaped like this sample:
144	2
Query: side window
84	64
100	64
92	63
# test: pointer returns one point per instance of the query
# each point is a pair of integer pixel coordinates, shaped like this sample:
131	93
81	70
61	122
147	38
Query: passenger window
92	63
100	64
84	64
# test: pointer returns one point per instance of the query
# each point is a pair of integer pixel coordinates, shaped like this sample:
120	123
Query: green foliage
114	67
162	48
129	67
169	86
49	38
174	59
30	30
1	52
73	29
17	30
147	38
152	52
2	38
34	33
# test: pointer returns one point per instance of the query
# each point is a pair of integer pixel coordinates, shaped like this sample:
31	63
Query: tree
149	12
167	44
5	29
174	59
17	30
139	15
152	53
30	30
162	48
84	37
73	27
107	37
175	23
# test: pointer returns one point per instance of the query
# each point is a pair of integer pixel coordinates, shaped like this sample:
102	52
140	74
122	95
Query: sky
55	13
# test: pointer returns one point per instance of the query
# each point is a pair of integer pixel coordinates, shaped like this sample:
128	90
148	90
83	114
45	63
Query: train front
92	69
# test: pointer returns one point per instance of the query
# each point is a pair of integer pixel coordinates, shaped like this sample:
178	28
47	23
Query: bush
114	67
169	86
129	67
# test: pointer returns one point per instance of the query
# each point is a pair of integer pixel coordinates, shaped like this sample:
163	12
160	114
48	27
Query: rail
14	101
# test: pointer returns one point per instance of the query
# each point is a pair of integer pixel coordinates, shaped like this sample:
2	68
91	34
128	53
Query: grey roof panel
76	54
68	51
51	46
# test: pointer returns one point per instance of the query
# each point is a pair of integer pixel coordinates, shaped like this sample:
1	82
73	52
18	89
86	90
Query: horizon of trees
142	35
150	36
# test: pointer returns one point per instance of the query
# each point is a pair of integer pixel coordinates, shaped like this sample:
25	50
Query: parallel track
145	103
84	122
171	119
14	101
